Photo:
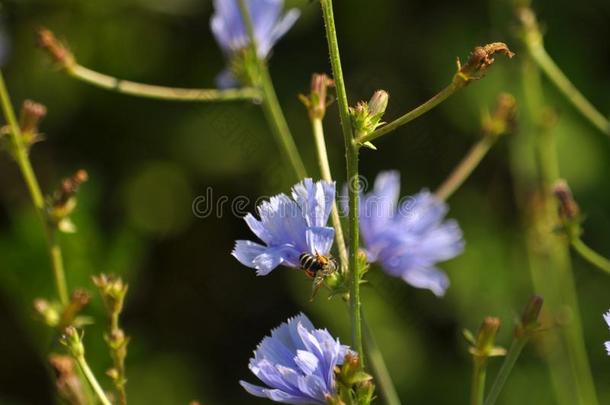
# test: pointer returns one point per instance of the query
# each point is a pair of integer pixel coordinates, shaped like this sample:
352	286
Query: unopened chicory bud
366	117
529	323
317	99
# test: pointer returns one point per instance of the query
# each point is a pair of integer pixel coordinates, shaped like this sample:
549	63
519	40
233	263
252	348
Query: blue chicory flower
296	363
289	227
410	236
269	26
607	319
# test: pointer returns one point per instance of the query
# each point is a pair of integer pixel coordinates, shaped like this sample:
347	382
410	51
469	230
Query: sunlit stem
382	376
509	362
159	92
535	46
591	255
20	153
465	168
318	134
351	151
413	114
271	106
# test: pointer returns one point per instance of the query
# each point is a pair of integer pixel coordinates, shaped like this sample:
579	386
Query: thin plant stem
413	114
271	106
380	370
159	92
513	354
549	256
20	153
479	373
536	49
465	167
351	151
118	353
82	363
318	134
591	255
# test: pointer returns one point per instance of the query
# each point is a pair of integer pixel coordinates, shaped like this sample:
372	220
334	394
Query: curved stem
413	114
20	153
351	151
318	134
465	167
565	86
159	92
82	363
509	362
271	105
591	255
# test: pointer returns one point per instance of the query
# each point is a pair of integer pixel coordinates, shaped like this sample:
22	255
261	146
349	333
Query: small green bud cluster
56	316
72	339
483	344
63	202
113	291
354	385
366	117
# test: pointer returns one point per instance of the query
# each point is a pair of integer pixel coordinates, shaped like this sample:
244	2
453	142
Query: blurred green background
194	313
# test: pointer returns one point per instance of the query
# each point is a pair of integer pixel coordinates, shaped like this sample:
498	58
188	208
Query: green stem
559	79
20	153
318	134
380	370
549	256
591	255
159	92
271	106
509	362
479	373
413	114
82	363
351	151
465	167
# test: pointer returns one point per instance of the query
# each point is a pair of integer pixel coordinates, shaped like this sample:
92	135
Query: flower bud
480	60
31	115
379	103
113	291
63	202
529	319
568	210
568	207
365	392
47	312
58	51
79	299
503	119
483	345
351	372
317	99
366	117
72	340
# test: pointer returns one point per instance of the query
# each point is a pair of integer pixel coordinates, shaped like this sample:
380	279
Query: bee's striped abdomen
310	262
